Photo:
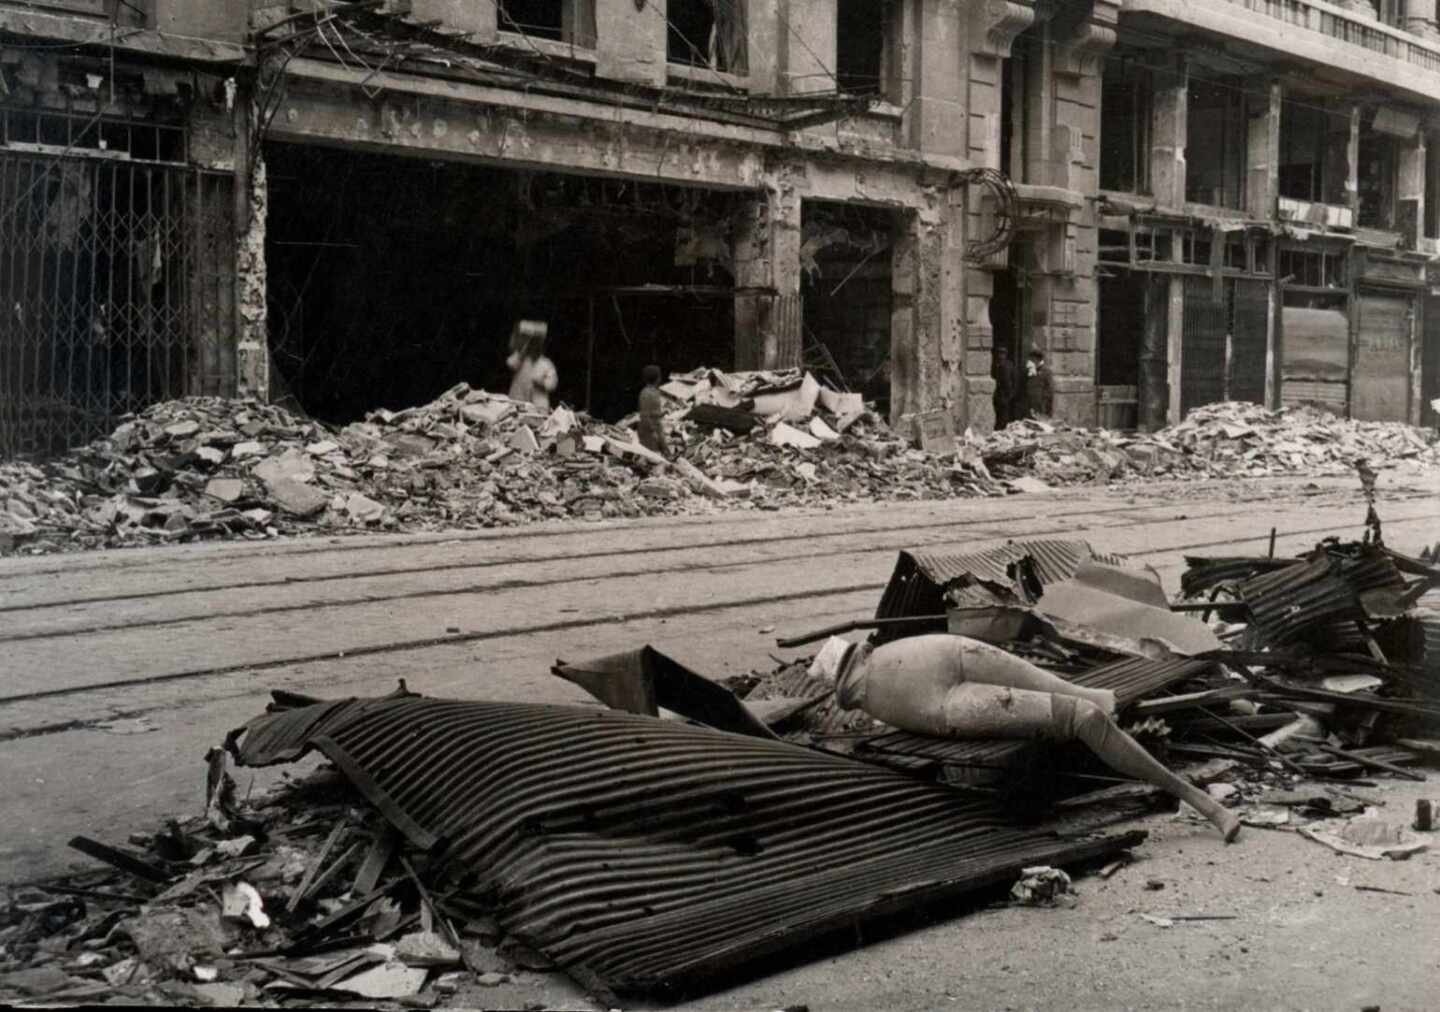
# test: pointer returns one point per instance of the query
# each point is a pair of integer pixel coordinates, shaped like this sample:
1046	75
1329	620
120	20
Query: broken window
862	38
1380	140
1125	127
1215	144
571	21
708	33
1318	269
1314	152
1377	180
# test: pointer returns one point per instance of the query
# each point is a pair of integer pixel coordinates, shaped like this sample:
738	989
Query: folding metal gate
1249	335
1202	350
116	291
1380	374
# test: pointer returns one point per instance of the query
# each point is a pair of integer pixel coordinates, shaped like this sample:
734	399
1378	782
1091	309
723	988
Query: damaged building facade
1268	208
738	183
341	206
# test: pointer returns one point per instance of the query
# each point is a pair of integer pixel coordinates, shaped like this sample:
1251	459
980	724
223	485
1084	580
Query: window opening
707	33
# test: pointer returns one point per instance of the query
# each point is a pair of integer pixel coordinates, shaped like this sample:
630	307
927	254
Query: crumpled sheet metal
643	854
641	681
1425	651
1288	605
1203	573
1131	679
917	586
1125	603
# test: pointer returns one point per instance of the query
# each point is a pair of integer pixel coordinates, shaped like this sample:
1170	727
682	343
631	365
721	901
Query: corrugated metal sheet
1425	650
1131	679
917	586
641	854
1204	574
1290	604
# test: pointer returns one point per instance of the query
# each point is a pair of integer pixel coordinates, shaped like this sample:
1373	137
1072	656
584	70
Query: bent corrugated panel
917	586
641	853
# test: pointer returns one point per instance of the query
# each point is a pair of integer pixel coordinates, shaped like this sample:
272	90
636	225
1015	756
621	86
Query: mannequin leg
1079	719
989	665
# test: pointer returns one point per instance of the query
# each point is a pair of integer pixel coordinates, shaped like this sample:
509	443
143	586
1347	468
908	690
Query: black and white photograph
724	505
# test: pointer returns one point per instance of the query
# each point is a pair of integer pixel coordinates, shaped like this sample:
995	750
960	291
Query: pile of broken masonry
446	846
205	468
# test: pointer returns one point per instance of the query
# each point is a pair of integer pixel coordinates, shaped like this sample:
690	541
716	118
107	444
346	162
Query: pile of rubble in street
445	847
1230	440
205	468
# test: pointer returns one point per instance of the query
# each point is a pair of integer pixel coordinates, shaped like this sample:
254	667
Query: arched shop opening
847	290
392	278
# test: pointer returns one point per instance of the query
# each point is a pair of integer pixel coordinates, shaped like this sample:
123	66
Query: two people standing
1035	400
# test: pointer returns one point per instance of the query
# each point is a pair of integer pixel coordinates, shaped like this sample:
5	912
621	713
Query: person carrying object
535	377
956	687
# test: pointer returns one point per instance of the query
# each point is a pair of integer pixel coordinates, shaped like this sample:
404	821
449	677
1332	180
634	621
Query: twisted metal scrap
1000	187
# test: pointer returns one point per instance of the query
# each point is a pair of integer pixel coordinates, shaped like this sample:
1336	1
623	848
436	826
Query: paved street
119	669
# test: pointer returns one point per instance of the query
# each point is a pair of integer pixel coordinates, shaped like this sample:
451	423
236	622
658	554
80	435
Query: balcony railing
1348	26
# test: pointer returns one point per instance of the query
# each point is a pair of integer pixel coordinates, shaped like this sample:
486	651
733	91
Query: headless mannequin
955	687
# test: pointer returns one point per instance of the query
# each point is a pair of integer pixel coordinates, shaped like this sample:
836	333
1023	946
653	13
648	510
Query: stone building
1266	208
347	205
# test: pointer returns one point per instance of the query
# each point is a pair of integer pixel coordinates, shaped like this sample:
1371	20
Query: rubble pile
457	845
1285	684
204	468
1230	440
252	904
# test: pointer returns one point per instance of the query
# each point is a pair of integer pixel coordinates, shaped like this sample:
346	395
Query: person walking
652	413
1039	387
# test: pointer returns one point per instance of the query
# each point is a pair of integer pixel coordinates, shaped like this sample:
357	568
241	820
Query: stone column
1421	19
807	49
252	208
935	119
767	274
1169	130
926	347
1263	156
994	26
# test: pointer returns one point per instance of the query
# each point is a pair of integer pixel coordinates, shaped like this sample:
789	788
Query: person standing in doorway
1006	383
1039	387
535	377
652	413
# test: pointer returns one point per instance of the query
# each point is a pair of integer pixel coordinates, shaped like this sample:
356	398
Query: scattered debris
204	468
1043	886
1367	837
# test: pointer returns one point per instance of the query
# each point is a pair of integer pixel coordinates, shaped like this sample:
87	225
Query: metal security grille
1202	352
1249	340
115	291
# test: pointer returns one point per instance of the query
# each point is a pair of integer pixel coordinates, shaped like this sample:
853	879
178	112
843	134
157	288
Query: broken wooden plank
1189	700
117	858
376	858
1367	762
303	886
